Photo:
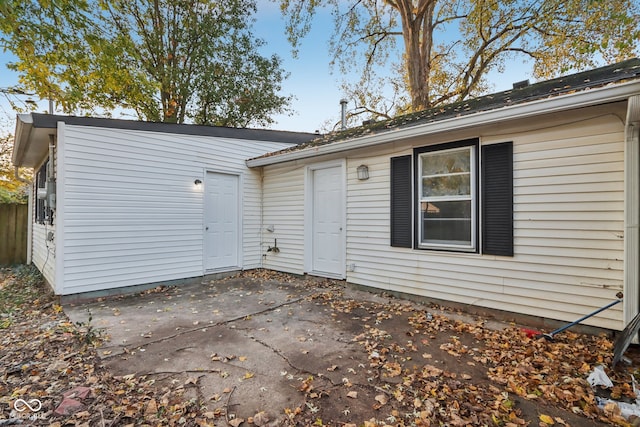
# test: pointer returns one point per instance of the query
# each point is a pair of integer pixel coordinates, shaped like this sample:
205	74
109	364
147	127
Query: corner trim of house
632	210
59	172
30	224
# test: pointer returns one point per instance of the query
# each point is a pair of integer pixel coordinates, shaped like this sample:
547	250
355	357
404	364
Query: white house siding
283	207
132	214
43	255
568	226
568	213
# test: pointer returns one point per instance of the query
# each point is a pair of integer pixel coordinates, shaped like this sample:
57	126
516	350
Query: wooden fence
13	234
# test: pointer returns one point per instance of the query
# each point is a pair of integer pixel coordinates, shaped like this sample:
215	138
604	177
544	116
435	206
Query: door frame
240	239
308	216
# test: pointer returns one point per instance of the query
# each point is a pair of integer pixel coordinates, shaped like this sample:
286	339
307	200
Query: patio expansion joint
206	326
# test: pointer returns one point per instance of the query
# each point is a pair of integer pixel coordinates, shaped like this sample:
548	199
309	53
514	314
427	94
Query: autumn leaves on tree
195	60
173	61
417	54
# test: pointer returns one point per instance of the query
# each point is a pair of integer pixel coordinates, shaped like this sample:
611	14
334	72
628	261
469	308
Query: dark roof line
598	77
51	121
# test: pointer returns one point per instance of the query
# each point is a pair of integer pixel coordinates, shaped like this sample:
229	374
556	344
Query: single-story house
119	203
526	201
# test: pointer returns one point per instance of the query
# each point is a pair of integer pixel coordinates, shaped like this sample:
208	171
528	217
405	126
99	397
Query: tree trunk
417	29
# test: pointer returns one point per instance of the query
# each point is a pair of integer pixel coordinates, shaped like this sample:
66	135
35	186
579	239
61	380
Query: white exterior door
221	221
327	222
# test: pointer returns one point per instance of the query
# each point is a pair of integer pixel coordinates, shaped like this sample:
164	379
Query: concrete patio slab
270	344
238	343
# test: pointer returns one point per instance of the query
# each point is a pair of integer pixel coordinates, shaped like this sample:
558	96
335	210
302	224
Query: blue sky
317	92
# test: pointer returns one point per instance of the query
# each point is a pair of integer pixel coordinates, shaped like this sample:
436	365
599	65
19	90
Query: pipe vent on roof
521	84
343	111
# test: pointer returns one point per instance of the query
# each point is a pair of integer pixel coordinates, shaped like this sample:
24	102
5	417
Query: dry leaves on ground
484	377
44	356
436	371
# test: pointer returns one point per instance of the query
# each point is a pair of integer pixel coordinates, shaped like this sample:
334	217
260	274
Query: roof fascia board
249	134
548	105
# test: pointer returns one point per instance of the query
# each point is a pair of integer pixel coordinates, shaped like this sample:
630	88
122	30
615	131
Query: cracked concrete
240	345
250	345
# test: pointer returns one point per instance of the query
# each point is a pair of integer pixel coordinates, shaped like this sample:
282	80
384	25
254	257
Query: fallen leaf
353	394
152	408
417	403
382	399
547	419
261	419
236	422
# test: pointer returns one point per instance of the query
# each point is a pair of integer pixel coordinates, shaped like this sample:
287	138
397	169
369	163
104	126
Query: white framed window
454	197
447	198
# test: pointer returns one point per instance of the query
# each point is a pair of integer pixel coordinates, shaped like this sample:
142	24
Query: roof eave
32	141
24	124
586	98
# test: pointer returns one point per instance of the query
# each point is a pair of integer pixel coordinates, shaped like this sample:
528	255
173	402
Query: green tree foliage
443	50
168	60
11	189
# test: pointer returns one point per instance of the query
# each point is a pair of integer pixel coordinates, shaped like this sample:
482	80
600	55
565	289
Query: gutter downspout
30	226
632	210
20	178
263	255
52	165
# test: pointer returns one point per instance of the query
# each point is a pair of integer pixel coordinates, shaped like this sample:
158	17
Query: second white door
327	223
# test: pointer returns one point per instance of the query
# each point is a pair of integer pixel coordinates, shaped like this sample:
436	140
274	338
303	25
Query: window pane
446	222
445	163
447	185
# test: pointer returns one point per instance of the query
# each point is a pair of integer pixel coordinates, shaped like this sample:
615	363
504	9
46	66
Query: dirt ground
269	349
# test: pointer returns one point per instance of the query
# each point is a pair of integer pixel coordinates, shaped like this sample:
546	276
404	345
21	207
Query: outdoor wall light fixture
363	172
197	182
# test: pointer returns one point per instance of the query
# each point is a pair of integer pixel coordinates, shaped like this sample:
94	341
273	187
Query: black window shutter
497	199
401	202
